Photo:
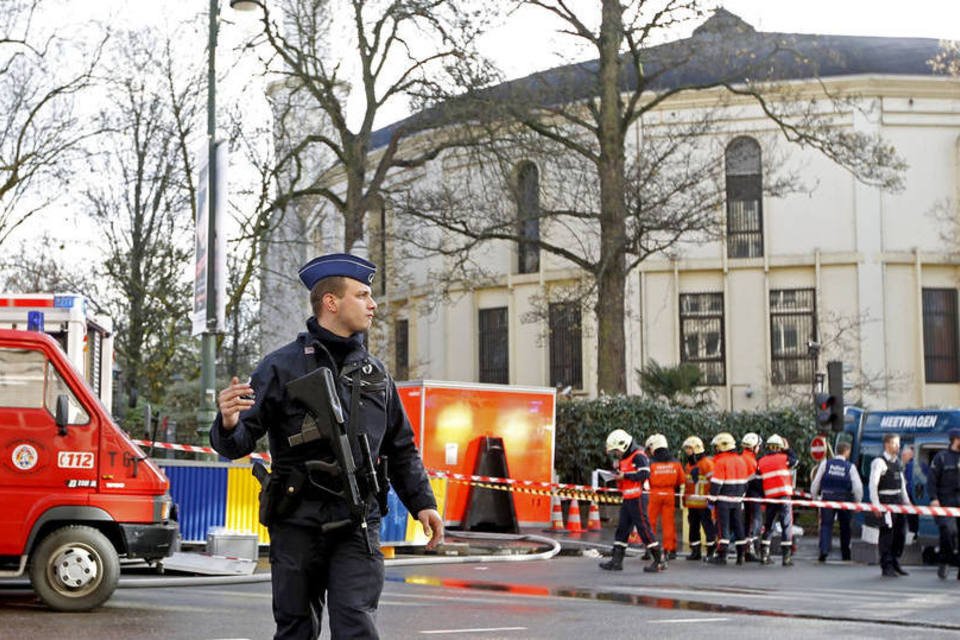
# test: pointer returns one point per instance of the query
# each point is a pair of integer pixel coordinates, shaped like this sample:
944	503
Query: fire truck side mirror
62	417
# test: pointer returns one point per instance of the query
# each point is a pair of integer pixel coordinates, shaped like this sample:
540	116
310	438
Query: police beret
953	433
337	264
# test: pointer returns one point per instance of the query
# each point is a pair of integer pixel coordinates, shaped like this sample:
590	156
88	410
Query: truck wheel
75	568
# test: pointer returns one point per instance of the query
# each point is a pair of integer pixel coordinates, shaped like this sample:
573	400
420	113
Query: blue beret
337	264
953	433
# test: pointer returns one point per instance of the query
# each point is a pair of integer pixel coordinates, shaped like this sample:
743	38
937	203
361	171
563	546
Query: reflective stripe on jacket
635	464
774	469
704	467
730	475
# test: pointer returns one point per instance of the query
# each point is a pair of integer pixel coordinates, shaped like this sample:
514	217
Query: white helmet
656	441
724	442
776	442
694	443
619	441
750	440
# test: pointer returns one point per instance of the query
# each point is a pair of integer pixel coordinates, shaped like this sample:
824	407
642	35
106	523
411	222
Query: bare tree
336	58
39	266
146	209
624	199
40	132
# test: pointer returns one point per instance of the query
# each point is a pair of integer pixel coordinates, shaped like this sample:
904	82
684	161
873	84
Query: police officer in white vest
888	486
837	480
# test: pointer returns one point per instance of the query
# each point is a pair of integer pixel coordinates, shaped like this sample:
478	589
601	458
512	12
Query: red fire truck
77	493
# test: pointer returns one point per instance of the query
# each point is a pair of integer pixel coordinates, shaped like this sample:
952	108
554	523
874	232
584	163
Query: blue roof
724	48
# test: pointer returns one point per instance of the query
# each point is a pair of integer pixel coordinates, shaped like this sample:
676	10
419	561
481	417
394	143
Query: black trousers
730	523
310	568
633	513
697	518
891	540
827	517
948	538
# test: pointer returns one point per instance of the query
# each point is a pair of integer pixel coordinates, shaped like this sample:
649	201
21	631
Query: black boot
711	549
942	571
658	564
615	563
765	555
695	553
788	556
720	557
900	570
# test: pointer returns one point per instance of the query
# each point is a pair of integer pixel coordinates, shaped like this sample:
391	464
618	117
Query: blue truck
925	430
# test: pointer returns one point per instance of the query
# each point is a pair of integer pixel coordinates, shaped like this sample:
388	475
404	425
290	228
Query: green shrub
583	425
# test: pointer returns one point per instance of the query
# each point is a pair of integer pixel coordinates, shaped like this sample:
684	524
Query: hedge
583	425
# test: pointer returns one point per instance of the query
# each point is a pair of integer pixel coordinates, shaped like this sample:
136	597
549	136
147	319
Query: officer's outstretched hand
432	526
232	400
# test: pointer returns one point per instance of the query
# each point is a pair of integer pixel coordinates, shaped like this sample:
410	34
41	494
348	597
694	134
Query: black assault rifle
317	391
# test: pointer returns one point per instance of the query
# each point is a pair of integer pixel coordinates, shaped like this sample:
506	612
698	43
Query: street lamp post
208	363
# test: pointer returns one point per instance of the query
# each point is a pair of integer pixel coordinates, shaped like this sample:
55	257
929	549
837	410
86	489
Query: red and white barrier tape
806	499
434	473
193	449
852	506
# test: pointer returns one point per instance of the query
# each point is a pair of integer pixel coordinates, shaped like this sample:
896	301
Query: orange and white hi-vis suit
666	478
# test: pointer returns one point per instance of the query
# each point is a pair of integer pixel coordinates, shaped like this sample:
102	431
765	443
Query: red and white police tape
806	500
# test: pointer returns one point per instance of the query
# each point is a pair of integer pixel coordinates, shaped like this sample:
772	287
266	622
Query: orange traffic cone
574	525
556	515
593	520
634	538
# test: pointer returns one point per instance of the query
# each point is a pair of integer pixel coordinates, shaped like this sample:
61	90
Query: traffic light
824	404
835	386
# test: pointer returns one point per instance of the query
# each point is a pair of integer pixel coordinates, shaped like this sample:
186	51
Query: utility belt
284	490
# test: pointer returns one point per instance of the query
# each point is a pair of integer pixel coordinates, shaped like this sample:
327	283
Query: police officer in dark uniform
837	480
887	486
320	550
943	486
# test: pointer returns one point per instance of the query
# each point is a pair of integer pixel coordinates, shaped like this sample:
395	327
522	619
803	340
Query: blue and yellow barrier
225	494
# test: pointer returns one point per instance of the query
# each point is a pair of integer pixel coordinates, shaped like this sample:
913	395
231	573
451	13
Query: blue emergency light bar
35	321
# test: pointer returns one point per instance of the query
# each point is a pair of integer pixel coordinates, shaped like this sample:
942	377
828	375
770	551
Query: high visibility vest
634	463
694	490
776	475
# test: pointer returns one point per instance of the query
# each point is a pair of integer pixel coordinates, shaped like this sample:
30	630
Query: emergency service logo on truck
25	457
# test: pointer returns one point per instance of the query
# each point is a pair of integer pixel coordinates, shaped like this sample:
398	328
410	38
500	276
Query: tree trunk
611	275
354	209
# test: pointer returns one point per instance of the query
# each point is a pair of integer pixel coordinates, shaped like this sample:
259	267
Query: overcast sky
528	42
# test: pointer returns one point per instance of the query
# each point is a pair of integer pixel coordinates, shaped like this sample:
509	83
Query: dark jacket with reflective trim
382	419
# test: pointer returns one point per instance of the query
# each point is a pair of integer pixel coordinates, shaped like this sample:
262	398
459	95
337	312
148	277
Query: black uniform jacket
382	419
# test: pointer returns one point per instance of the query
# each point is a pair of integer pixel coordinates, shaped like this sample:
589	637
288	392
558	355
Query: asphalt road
562	598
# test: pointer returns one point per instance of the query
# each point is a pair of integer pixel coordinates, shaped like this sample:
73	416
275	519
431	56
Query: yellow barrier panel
414	533
243	505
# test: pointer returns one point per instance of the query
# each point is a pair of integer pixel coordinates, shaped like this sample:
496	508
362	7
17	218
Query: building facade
832	269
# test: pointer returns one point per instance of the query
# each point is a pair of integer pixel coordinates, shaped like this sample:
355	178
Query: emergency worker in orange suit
698	467
729	485
752	509
633	475
776	470
666	478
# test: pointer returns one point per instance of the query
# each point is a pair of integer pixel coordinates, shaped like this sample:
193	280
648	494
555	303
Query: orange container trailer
450	419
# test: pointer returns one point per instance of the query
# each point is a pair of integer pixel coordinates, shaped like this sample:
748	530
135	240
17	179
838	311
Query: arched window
744	174
528	218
